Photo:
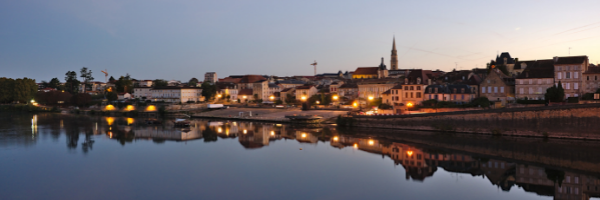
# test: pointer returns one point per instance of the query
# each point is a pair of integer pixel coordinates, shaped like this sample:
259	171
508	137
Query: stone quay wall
569	121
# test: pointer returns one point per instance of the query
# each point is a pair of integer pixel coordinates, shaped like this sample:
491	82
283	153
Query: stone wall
571	121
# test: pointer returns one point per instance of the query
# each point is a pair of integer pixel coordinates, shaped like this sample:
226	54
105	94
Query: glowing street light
318	102
303	98
370	98
272	98
335	97
336	138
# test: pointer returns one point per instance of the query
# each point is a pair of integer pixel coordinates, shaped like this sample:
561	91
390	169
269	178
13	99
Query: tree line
20	90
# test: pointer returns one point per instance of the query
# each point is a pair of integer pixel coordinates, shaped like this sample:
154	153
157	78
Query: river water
54	156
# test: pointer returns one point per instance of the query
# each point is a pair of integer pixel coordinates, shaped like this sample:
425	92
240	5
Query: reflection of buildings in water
253	136
573	185
178	134
500	173
412	159
306	137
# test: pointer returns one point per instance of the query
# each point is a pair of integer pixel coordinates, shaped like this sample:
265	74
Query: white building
177	94
142	93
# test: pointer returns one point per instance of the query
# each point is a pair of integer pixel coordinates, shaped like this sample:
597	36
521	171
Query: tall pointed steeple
394	58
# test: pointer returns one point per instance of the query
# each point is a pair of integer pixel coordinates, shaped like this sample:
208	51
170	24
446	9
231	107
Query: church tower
394	59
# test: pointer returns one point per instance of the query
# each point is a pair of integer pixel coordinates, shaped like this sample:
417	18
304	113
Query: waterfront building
459	93
568	71
305	92
498	87
414	86
535	79
227	89
177	94
142	93
591	79
373	88
348	90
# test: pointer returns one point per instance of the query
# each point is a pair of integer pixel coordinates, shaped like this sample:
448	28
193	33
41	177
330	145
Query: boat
181	122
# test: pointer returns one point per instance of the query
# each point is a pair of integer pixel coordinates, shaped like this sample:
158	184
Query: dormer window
436	90
454	90
462	90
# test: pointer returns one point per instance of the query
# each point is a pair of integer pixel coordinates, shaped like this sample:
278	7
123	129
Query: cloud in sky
183	39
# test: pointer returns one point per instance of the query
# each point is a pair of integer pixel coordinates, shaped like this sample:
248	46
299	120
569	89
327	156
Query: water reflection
544	173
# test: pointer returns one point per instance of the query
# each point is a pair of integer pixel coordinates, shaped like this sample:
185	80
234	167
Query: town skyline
268	39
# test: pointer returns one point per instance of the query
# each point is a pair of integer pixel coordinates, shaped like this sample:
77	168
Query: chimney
555	59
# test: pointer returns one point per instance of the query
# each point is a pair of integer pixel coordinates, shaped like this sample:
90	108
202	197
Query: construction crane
105	75
315	65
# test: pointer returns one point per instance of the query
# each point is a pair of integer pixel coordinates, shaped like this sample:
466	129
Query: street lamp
272	98
408	105
303	98
335	97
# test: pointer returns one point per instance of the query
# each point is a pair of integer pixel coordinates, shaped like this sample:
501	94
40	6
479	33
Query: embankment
572	121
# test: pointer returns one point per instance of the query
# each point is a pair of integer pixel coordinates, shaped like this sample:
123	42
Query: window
521	91
595	78
495	89
418	87
501	89
568	75
559	75
411	95
489	89
521	81
568	86
530	90
454	97
412	88
588	78
575	74
540	90
575	86
406	95
405	87
530	81
418	94
463	97
483	90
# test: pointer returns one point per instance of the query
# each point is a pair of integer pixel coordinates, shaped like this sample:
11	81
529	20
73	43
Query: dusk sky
152	39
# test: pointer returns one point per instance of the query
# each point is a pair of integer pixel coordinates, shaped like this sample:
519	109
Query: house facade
305	92
568	71
498	87
534	80
177	94
591	79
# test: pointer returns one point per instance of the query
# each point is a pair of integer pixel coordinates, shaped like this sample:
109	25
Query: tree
45	84
6	88
22	90
208	90
124	84
87	76
71	84
54	83
290	99
555	94
193	82
112	96
160	83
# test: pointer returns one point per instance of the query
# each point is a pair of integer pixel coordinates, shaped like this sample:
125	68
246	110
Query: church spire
394	57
